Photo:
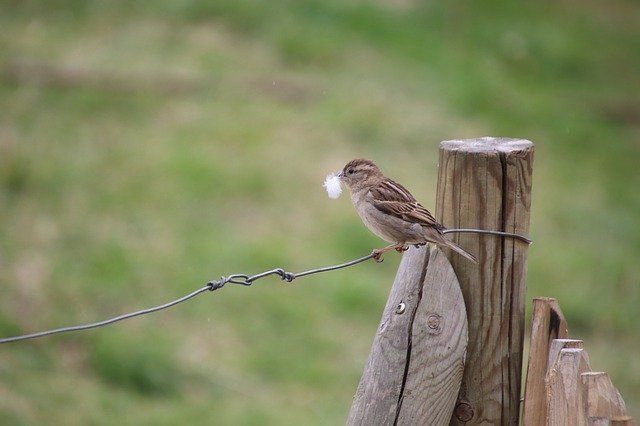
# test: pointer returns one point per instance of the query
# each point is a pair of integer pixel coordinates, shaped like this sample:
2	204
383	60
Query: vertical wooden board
564	388
481	185
376	398
438	347
600	397
547	323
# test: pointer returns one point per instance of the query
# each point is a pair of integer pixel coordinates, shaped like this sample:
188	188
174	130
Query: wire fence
241	279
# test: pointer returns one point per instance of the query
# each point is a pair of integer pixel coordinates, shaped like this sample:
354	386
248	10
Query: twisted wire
241	279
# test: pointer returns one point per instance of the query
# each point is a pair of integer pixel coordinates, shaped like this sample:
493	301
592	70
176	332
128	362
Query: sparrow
391	212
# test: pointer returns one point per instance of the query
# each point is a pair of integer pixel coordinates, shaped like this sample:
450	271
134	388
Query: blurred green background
148	147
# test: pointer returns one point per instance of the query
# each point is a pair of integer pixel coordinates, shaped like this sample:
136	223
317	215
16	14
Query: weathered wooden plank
438	347
376	398
564	388
600	397
486	183
547	324
415	366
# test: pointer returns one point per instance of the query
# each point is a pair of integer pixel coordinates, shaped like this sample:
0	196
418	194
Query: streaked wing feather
392	198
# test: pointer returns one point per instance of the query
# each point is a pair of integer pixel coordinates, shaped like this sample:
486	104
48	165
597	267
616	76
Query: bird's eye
350	171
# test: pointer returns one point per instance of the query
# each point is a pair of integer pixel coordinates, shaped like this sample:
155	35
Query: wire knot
284	275
216	284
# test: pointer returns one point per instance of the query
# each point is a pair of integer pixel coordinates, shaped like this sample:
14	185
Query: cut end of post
487	143
544	299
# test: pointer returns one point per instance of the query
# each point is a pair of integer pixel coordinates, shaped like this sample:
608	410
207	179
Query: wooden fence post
415	366
486	183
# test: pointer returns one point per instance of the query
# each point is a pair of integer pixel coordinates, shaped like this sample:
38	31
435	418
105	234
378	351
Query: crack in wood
410	334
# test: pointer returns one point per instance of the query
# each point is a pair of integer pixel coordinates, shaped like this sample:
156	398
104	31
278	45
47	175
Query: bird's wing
392	198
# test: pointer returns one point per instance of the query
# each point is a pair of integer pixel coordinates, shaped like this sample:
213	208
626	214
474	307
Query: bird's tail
453	246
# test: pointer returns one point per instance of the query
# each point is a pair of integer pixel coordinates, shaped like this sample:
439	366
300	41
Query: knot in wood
463	411
434	323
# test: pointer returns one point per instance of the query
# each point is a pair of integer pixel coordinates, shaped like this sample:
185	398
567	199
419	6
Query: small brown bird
391	212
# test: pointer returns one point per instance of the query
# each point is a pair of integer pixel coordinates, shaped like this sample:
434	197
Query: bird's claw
377	255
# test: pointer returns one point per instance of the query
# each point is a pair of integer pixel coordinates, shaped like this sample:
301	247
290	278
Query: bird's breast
386	226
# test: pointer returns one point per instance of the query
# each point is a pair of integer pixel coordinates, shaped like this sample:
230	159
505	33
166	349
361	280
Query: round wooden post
485	183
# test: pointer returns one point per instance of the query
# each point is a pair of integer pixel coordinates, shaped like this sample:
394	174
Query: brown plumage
390	211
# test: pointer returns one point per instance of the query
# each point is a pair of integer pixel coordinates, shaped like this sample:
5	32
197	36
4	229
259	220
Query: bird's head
359	173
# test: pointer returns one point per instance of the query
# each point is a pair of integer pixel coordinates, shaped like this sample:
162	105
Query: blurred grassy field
148	147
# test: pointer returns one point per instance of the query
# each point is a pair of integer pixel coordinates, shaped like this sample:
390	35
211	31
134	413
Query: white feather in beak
332	185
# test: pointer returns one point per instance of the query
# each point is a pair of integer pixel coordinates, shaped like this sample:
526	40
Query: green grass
204	156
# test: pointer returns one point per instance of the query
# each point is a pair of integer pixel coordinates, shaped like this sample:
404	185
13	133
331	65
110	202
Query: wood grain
564	388
415	366
600	397
378	393
485	183
547	323
438	347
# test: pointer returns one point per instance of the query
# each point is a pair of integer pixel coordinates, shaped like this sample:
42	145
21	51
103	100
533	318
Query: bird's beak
341	174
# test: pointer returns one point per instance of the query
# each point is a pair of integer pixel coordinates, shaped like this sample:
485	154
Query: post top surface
487	144
595	374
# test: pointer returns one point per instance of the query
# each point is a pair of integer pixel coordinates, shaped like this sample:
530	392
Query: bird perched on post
391	212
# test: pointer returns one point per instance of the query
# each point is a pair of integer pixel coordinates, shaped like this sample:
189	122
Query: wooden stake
564	388
486	183
548	323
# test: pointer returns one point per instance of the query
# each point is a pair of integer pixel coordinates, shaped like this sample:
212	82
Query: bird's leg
401	248
377	253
